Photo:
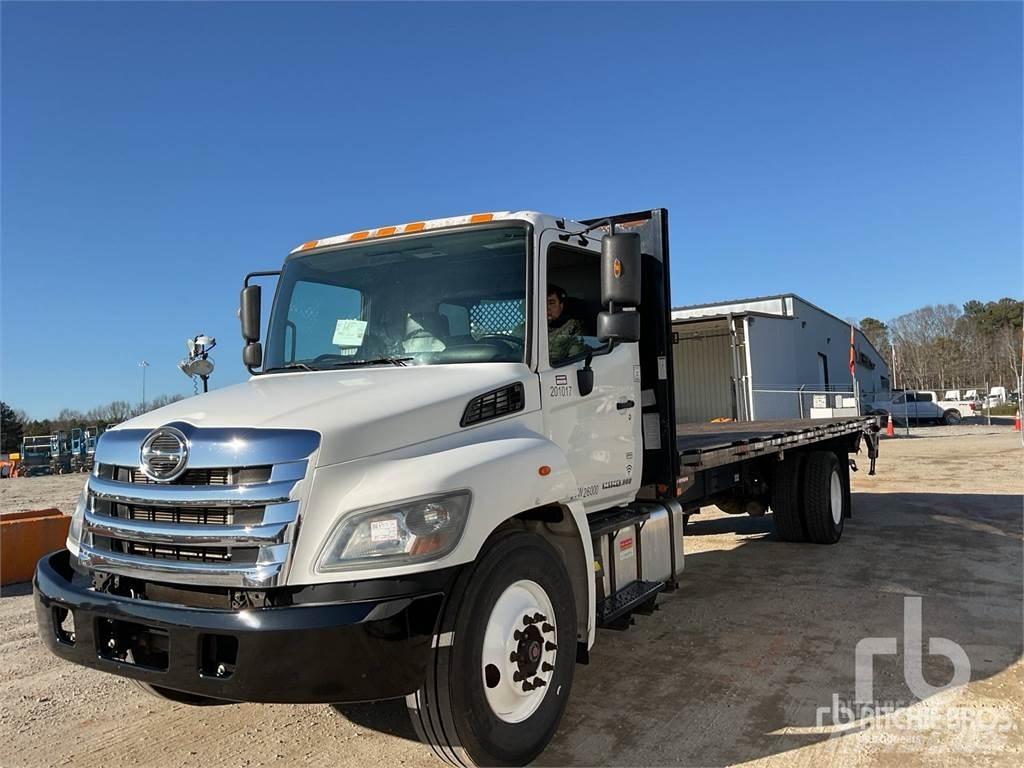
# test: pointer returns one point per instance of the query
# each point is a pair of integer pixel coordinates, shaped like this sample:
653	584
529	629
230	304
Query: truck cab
455	459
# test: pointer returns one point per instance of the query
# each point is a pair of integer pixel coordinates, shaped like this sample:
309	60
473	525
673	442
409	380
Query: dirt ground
733	668
18	494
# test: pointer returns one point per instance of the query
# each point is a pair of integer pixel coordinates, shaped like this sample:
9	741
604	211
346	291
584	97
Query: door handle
624	404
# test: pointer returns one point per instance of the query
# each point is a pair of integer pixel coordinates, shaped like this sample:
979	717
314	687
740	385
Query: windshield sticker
349	333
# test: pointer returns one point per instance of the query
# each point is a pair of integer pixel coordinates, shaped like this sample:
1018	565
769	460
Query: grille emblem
164	454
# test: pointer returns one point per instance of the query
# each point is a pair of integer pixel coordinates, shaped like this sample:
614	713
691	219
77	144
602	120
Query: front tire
951	417
504	657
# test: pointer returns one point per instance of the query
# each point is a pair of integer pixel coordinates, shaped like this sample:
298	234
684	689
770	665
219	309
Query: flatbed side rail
698	451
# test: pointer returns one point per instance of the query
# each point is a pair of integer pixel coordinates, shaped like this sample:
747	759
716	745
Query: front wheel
504	657
952	417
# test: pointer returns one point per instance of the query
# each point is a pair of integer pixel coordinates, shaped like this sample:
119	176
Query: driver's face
554	307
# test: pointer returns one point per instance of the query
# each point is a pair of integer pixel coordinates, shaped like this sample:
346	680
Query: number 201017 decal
560	390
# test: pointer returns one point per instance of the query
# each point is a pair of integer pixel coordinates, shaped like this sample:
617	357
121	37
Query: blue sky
865	156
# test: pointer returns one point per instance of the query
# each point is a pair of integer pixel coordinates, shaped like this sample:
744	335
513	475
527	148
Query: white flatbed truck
415	494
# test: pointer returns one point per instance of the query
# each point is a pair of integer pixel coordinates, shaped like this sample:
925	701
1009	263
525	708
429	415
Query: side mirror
250	313
252	354
620	269
618	326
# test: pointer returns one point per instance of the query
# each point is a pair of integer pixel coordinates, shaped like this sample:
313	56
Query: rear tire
471	709
951	417
787	501
824	498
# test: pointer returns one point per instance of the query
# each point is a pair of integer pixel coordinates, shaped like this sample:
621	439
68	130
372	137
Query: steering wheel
517	344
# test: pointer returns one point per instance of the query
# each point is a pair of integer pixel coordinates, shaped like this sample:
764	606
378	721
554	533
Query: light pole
144	365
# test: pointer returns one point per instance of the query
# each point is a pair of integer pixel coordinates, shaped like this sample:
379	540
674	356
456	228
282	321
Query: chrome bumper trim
186	535
205	574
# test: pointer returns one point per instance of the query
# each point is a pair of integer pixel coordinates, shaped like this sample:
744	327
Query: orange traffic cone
1016	422
889	430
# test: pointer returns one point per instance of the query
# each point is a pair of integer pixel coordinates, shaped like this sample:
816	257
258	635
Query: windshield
457	297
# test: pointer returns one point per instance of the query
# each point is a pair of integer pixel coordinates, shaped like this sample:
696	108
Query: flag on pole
853	355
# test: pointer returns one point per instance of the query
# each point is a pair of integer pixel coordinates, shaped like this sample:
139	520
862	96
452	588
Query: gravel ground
731	669
23	493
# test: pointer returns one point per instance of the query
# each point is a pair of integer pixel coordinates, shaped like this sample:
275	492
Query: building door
823	371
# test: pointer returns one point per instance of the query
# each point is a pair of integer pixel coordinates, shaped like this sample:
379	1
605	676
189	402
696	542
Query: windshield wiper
400	361
291	367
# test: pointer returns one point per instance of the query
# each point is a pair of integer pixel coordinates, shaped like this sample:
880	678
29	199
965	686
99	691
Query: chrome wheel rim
519	651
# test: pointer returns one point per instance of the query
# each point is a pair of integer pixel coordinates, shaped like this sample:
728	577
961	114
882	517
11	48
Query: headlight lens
77	519
408	532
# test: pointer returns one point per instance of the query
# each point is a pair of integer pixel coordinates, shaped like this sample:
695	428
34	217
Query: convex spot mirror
621	326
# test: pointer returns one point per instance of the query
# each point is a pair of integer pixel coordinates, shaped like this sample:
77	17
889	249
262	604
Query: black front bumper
329	652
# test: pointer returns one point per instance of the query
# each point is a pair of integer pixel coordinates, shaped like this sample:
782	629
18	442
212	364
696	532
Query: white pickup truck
434	486
924	406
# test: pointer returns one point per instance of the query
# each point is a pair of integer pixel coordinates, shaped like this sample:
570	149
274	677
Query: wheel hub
519	651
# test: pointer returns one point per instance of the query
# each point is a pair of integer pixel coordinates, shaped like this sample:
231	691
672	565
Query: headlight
77	519
408	532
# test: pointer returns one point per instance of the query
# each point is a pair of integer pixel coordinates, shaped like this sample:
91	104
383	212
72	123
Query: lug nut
549	646
545	628
539	617
516	677
538	683
527	621
517	635
513	657
545	667
527	687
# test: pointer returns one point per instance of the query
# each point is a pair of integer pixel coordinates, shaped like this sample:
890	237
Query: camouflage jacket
565	341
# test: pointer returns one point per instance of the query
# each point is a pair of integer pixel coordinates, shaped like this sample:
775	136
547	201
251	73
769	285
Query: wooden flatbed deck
702	446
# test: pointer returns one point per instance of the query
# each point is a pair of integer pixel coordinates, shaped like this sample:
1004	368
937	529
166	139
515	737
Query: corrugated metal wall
703	362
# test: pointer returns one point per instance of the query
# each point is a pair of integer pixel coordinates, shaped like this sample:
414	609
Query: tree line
15	424
943	346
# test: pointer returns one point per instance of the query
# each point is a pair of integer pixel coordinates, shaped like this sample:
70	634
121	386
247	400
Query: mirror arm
267	273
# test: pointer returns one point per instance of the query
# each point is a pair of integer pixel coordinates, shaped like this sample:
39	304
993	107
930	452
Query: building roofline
771	298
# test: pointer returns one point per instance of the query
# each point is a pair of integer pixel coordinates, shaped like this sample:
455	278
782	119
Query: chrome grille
207	476
221	523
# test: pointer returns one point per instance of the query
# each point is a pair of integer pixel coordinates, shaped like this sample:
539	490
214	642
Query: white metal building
771	357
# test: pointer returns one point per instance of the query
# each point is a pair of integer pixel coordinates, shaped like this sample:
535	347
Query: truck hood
358	412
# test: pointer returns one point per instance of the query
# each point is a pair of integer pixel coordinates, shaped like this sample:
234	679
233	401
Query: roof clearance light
416	226
480	218
386	231
359	235
309	244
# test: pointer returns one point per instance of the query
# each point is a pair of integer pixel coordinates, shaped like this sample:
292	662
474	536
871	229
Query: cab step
637	597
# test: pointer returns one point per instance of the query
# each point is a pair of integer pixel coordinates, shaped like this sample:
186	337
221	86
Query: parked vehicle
60	453
427	489
35	456
924	407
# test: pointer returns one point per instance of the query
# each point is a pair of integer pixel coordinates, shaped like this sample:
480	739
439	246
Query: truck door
600	431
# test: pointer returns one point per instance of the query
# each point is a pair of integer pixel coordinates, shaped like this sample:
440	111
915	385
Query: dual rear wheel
810	499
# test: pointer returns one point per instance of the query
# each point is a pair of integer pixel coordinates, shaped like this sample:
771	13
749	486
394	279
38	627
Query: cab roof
539	220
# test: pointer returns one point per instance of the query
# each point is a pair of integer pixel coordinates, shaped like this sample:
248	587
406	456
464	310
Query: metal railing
801	399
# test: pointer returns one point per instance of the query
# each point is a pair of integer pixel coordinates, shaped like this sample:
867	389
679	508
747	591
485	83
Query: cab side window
573	303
